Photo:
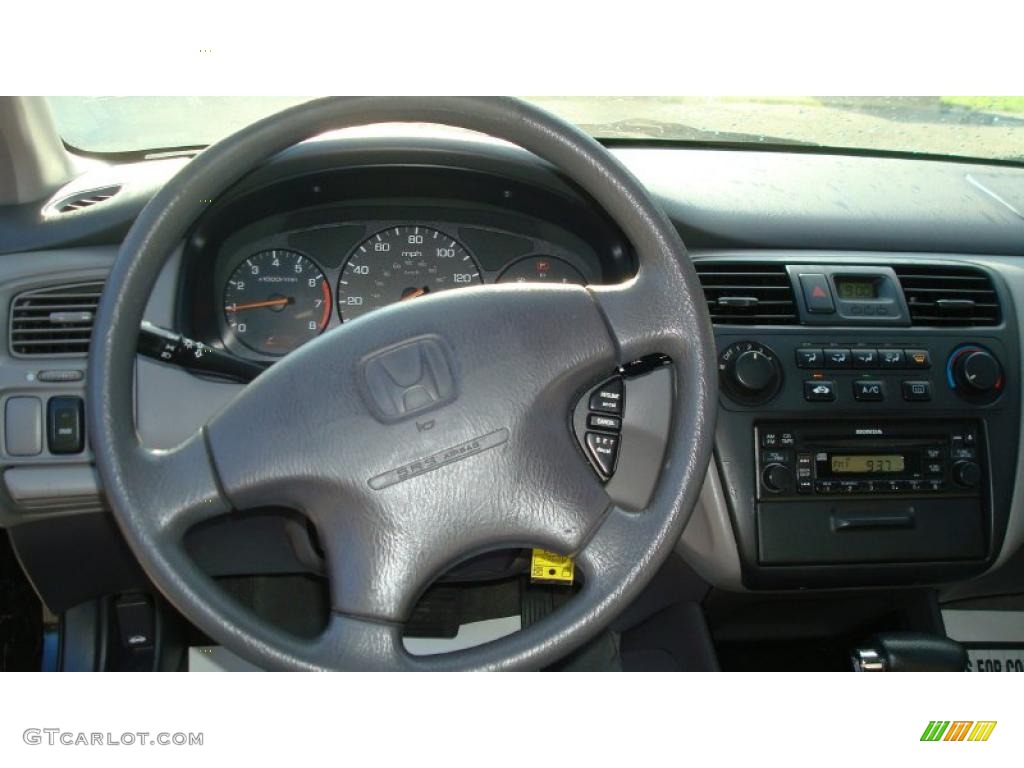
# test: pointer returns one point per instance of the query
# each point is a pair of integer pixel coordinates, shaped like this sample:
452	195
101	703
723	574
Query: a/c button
868	391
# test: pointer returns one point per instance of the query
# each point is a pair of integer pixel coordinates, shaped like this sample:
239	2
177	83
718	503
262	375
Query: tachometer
276	301
399	264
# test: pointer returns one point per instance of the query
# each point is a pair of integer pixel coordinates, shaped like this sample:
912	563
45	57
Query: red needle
259	304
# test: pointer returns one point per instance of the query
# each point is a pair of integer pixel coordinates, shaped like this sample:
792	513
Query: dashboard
870	355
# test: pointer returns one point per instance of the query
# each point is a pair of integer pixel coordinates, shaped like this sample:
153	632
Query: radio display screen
867	463
855	288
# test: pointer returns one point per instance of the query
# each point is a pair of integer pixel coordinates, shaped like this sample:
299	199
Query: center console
868	429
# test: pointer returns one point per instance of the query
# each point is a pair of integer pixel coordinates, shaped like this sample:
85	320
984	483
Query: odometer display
277	300
399	264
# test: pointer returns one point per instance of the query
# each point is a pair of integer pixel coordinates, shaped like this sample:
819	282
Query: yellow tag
547	566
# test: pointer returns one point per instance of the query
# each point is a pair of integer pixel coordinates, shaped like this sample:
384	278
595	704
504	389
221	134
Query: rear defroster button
604	450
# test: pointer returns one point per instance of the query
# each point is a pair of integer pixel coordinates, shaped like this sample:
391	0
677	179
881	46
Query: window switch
64	425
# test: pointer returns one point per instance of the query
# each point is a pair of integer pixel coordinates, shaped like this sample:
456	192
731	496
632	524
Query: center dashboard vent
54	321
747	293
941	295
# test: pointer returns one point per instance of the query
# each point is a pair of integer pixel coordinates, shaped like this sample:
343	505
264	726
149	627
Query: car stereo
858	458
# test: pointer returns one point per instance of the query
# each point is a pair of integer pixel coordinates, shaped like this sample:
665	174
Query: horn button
408	379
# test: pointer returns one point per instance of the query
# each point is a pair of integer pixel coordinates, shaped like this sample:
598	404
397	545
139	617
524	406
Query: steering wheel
396	506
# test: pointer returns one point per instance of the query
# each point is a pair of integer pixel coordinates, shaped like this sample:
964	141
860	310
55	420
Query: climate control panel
804	373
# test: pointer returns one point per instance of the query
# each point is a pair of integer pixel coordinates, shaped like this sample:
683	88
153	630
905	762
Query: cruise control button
604	450
608	397
864	358
868	391
917	391
890	358
817	294
600	421
837	358
819	391
809	358
917	359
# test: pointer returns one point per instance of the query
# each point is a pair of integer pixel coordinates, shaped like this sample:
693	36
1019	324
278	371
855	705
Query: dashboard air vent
80	200
948	296
747	293
54	321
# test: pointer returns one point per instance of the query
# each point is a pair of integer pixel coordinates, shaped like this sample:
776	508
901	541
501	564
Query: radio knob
777	478
967	474
977	373
751	372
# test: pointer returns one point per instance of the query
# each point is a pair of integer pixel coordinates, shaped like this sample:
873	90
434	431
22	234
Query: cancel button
868	390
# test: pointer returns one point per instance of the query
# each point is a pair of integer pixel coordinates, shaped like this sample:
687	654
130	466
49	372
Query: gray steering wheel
396	507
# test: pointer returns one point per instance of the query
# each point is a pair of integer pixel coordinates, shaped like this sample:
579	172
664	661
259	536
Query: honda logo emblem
408	379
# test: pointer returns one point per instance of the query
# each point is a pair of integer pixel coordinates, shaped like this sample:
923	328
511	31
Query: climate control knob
750	372
975	373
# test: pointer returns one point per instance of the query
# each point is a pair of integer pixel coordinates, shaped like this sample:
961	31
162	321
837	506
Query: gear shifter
909	652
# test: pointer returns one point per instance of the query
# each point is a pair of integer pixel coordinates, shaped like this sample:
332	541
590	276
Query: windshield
983	127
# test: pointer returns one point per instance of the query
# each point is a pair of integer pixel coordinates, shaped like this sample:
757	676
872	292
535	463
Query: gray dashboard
746	205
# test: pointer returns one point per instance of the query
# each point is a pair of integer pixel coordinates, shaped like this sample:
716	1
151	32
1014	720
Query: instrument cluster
281	290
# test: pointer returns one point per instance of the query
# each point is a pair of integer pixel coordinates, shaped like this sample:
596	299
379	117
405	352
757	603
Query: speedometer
402	263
